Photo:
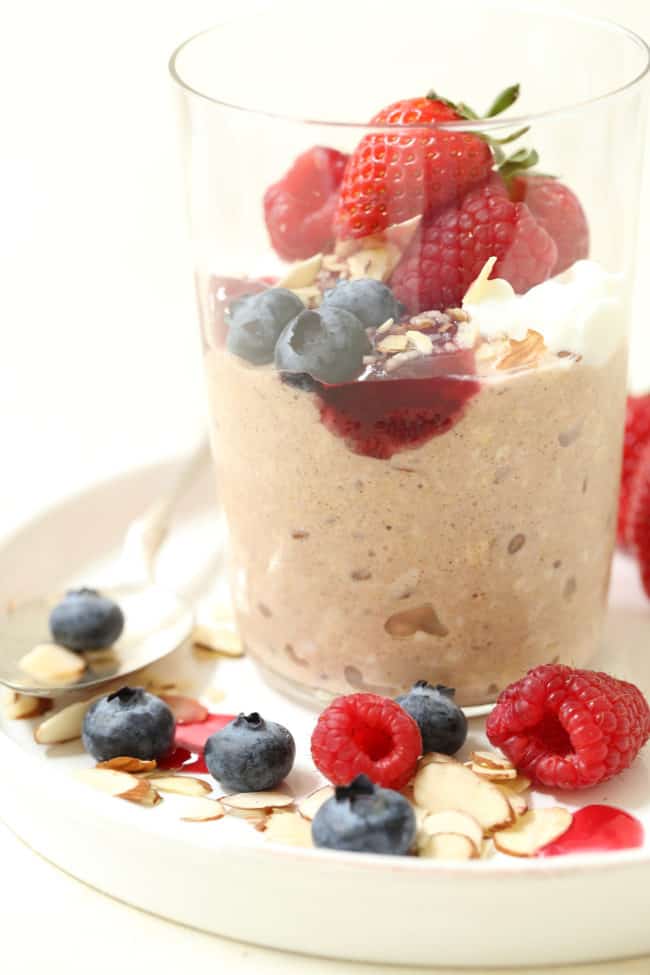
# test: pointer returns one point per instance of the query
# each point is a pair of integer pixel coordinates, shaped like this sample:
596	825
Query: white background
99	368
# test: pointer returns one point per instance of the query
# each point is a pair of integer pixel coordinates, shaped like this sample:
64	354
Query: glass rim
461	124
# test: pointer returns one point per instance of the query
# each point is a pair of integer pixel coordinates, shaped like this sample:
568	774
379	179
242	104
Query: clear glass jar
419	477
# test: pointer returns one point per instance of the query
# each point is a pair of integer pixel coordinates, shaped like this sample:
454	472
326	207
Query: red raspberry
638	523
299	209
369	734
452	246
637	435
569	729
391	178
558	210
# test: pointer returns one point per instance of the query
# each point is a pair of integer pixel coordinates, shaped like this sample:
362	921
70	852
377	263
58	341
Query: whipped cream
580	311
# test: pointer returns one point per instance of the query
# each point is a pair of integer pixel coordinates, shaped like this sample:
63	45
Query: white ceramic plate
224	877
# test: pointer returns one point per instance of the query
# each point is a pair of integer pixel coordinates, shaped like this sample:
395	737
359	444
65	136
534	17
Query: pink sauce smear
186	754
597	829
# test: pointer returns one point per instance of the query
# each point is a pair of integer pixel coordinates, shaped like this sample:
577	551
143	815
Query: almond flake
386	327
440	787
453	821
19	706
493	774
400	359
220	639
520	784
448	846
182	785
393	343
332	263
309	806
289	828
518	803
438	757
52	664
251	801
524	353
64	725
122	785
215	694
532	831
303	274
124	763
377	262
420	341
186	710
491	760
200	810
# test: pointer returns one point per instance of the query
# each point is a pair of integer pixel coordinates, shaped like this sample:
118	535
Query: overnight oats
417	389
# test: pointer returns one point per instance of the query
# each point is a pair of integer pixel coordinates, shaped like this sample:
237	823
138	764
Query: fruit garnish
638	524
372	302
364	818
299	209
256	320
366	734
328	344
128	722
250	754
442	723
558	210
637	436
569	729
452	246
86	620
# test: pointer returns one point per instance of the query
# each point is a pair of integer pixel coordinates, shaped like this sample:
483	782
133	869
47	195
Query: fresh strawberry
391	178
637	435
452	246
638	526
299	209
559	211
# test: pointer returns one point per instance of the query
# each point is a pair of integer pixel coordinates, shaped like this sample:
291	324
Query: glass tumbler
413	295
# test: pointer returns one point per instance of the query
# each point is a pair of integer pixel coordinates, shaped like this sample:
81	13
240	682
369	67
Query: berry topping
363	818
638	519
442	723
256	320
637	435
193	736
366	734
328	344
569	729
299	209
401	410
86	620
128	722
558	210
451	247
390	177
372	302
250	754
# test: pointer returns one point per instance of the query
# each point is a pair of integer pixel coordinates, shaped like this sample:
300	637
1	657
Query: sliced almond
198	809
520	784
532	831
448	846
255	816
491	760
420	341
124	763
218	638
16	706
303	274
393	343
443	786
182	785
518	802
487	848
288	827
251	801
453	821
309	806
64	725
122	785
437	757
215	694
373	262
186	710
493	774
52	664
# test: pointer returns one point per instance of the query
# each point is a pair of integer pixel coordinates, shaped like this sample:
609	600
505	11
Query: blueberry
370	301
250	754
256	320
329	344
128	722
86	620
364	818
442	724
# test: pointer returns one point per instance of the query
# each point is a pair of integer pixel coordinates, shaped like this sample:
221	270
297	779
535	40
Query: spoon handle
145	534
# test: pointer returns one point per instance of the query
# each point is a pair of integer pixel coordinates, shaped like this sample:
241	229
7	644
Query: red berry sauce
384	413
182	760
597	829
186	754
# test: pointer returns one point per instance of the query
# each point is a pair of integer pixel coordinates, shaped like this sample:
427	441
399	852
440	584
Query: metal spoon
157	621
